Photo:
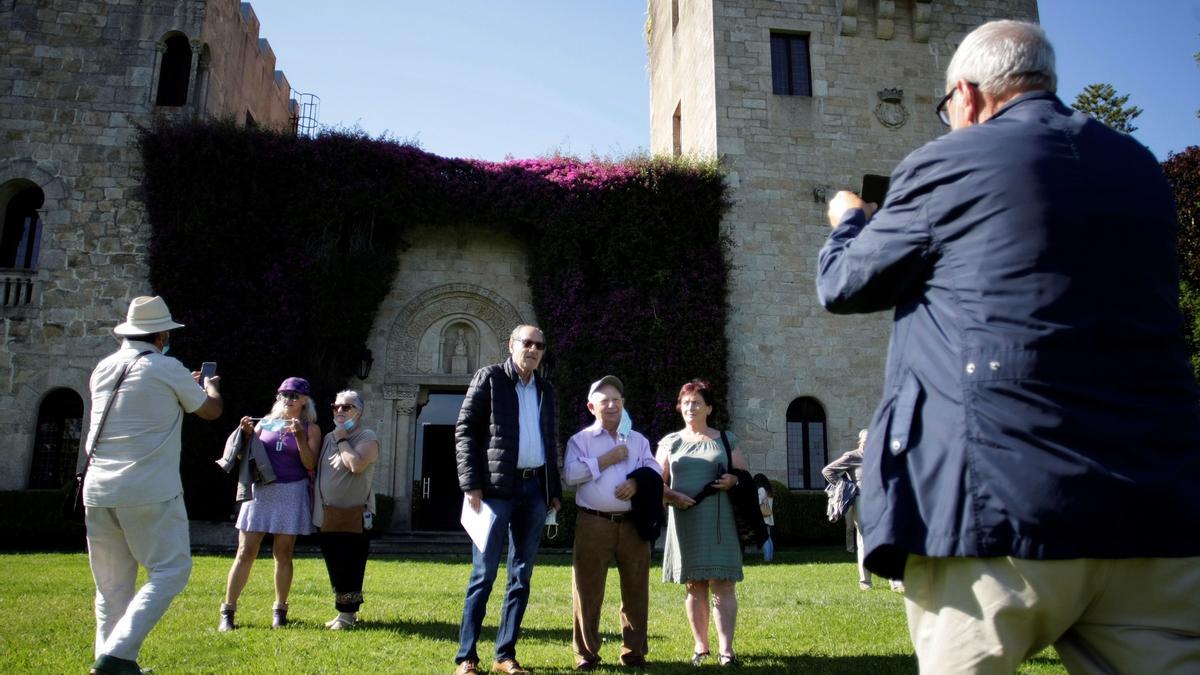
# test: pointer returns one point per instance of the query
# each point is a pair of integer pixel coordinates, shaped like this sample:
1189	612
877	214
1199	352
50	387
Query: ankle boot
280	611
227	611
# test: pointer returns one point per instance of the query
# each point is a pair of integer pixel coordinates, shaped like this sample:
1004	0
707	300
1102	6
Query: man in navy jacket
1030	471
505	443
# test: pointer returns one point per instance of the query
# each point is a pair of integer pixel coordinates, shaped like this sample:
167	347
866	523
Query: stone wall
464	275
787	154
76	76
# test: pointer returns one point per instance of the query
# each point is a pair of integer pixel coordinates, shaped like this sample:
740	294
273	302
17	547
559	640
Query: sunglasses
531	344
343	407
289	396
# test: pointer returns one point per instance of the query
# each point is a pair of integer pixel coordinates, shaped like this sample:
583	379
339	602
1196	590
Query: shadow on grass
444	630
812	665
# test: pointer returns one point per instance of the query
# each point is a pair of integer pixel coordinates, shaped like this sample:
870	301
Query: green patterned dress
702	542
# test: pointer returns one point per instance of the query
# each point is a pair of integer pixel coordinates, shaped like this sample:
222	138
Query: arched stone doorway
434	345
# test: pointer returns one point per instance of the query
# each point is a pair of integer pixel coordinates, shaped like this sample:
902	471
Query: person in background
132	493
702	546
345	470
284	508
850	465
766	506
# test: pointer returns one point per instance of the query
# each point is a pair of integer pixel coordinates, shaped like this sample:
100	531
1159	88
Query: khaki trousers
987	615
597	542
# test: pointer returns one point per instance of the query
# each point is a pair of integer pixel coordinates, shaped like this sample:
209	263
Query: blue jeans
521	519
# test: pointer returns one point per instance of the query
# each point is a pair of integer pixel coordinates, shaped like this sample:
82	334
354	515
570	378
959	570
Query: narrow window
677	131
175	72
806	454
56	443
22	232
790	75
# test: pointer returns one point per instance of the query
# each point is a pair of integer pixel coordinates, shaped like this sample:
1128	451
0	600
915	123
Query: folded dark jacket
252	467
648	515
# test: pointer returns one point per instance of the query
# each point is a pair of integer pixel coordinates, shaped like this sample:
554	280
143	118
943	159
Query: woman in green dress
702	547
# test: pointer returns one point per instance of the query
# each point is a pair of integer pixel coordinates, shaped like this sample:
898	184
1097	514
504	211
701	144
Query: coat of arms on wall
890	112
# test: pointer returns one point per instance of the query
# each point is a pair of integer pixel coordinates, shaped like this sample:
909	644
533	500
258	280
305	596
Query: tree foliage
1102	102
1183	172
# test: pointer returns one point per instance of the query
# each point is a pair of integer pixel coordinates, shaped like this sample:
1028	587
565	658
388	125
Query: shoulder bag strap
728	452
108	407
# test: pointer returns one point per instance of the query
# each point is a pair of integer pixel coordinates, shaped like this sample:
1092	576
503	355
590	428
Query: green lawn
802	613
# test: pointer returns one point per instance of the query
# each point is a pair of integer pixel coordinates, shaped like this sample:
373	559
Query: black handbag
752	531
72	507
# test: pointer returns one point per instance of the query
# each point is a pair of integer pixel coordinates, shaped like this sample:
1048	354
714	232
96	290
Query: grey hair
862	435
516	334
352	397
1005	57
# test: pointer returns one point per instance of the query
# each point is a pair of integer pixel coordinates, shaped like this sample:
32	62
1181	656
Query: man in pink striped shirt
599	463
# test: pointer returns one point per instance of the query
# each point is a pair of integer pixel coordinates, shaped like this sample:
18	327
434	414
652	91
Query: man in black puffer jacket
505	440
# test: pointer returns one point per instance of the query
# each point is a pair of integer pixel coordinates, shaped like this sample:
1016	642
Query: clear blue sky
486	79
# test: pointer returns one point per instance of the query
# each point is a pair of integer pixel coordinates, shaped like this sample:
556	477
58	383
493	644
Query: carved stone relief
423	338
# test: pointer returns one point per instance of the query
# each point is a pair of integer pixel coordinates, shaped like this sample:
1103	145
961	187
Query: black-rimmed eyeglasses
942	111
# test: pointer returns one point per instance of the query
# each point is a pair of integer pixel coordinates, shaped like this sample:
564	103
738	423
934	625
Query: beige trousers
987	615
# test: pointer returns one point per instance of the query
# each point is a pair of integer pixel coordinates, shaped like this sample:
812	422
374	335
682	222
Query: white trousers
864	577
119	539
987	615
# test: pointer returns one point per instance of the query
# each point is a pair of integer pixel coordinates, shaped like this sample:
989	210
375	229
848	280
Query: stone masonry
76	78
786	155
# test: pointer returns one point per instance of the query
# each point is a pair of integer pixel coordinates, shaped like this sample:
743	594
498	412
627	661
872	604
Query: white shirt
530	453
137	454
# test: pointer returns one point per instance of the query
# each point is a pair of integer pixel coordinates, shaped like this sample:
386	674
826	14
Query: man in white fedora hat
132	493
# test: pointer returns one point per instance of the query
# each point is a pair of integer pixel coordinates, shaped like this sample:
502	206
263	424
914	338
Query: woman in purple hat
284	508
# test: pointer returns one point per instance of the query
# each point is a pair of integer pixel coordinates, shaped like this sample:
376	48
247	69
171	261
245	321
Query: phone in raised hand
207	370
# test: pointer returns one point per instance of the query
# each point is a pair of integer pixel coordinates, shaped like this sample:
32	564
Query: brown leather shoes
466	667
509	666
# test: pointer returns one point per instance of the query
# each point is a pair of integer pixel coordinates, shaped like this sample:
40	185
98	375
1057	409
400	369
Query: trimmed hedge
31	520
800	518
276	252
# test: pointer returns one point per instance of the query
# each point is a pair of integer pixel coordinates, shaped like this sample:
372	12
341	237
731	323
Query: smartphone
207	370
874	189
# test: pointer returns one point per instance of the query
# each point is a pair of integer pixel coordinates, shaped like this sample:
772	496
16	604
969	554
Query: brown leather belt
614	517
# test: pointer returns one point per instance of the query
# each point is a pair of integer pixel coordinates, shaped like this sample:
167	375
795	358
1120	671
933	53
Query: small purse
342	518
339	518
72	508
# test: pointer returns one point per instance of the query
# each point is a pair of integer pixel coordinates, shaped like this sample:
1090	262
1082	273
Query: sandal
730	661
698	658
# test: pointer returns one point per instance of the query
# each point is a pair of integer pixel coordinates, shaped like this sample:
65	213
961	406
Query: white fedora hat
147	315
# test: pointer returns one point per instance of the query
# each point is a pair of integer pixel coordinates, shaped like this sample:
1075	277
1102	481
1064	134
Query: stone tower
800	99
76	79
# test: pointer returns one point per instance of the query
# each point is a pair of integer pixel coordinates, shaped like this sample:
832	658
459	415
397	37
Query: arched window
22	232
175	71
806	454
56	445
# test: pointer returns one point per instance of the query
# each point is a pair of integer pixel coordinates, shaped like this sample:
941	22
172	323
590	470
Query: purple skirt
278	508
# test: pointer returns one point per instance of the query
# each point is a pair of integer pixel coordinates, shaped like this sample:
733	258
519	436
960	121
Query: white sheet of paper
477	525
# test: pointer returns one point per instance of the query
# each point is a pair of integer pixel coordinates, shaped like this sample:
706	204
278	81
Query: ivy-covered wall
276	251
